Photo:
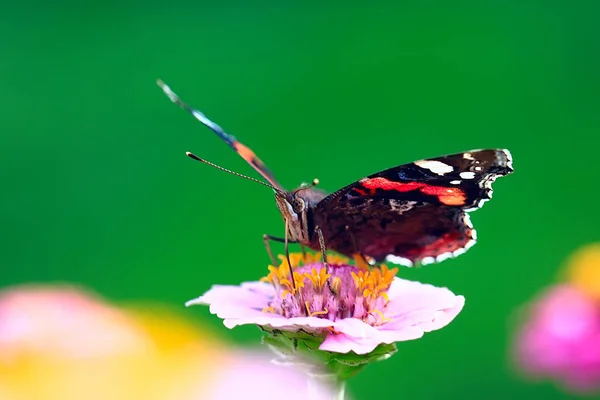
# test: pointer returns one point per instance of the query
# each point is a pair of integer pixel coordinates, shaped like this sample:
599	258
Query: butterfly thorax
296	208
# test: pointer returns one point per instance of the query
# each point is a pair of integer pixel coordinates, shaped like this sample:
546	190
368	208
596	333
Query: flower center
338	291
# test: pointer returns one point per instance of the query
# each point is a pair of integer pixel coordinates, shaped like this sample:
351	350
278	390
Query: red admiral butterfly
413	213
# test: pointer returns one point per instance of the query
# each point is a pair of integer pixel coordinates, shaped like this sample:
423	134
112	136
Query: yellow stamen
269	309
298	258
383	317
336	284
312	314
318	278
335	259
360	262
375	282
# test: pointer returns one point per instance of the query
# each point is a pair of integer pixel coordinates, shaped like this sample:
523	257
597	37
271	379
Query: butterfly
416	213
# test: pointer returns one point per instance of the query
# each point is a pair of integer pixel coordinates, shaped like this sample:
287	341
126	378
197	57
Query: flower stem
341	391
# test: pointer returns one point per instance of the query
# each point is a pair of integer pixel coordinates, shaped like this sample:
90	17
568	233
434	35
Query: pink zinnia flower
560	335
346	308
561	339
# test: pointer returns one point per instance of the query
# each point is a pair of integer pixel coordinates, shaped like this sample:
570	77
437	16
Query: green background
96	189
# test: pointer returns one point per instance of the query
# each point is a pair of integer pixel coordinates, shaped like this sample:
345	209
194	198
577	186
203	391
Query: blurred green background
97	190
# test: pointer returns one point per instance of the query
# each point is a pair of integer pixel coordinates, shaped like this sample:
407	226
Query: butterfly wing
414	213
238	147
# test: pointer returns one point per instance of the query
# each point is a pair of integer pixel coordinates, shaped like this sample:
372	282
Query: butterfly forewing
415	212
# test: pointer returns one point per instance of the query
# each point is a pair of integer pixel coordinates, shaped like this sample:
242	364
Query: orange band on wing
446	195
245	152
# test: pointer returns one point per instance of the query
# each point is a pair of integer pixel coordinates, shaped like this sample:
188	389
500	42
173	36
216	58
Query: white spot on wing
509	158
467	221
467	175
443	257
470	244
478	168
437	167
401	206
427	260
399	260
458	252
468	156
456	182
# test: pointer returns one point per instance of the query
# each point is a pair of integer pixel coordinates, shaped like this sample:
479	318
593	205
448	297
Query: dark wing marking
415	212
238	147
402	232
463	180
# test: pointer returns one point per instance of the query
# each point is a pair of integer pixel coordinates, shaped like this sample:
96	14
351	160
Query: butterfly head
295	206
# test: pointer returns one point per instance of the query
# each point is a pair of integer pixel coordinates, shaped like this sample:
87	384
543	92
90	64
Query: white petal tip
195	302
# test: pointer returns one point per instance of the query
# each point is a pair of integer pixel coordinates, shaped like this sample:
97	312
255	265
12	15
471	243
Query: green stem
341	391
318	383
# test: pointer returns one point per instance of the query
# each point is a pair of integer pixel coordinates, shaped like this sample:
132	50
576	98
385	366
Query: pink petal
279	322
340	343
242	305
414	308
264	288
245	294
233	301
355	335
407	296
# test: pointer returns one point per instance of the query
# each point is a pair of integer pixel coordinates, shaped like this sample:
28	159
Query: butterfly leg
287	254
303	252
267	239
324	252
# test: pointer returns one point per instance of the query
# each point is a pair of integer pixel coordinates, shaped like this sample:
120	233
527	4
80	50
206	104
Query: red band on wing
446	195
449	242
386	184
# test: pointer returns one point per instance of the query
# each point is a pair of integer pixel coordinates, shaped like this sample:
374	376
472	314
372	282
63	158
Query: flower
61	342
345	308
559	336
583	270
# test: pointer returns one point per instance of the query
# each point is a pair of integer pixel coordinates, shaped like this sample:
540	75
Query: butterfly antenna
314	183
202	160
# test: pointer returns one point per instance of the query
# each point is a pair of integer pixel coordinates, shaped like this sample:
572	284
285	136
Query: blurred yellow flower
583	270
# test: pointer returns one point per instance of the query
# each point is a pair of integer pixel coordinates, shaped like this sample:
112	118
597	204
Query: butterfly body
415	213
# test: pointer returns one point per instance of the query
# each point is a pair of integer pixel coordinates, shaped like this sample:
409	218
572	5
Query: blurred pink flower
62	343
60	315
253	376
560	339
350	308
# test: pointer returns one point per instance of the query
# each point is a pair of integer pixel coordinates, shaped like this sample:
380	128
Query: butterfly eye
298	205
